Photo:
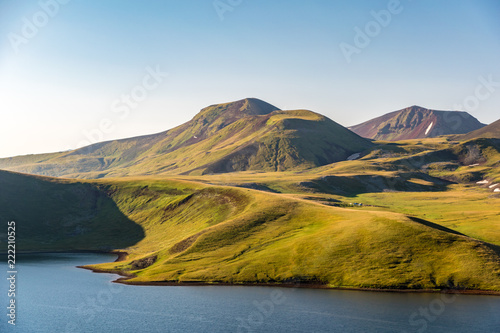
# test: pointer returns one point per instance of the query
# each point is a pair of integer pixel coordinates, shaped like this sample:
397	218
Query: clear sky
66	65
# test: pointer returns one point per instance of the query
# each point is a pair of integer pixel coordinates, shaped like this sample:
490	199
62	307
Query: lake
55	296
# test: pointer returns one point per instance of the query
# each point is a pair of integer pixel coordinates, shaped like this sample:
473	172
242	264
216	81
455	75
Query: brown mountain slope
416	123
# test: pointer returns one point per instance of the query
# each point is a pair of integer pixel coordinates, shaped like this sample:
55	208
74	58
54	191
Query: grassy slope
223	234
403	177
469	210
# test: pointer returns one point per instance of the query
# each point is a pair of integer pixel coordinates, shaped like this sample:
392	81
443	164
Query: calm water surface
54	296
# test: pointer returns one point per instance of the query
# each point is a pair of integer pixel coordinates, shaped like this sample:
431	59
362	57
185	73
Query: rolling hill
416	123
492	131
181	231
244	135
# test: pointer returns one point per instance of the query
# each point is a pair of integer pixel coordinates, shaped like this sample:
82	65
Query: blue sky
59	83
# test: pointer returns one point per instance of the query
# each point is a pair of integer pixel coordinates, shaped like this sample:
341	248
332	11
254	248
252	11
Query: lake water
54	296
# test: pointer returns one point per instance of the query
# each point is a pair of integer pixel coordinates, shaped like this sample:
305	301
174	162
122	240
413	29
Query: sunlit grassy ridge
471	211
432	179
200	233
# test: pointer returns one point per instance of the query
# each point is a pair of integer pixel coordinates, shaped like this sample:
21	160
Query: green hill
180	231
244	135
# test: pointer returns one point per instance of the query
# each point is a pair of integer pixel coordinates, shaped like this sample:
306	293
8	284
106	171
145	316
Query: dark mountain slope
491	131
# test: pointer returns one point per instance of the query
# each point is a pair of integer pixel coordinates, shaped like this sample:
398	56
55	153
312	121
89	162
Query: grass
467	209
222	234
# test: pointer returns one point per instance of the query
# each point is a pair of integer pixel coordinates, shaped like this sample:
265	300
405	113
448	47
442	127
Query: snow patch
354	157
494	185
429	128
497	190
483	182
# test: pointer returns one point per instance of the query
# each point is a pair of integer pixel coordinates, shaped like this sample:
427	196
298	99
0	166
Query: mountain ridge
416	122
248	134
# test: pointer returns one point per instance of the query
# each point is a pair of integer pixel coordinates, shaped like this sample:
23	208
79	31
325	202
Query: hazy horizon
69	67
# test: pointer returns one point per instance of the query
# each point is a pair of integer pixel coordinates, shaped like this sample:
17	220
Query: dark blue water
54	296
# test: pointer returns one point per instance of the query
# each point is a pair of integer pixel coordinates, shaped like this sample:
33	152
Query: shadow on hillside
55	215
494	247
351	186
256	186
435	226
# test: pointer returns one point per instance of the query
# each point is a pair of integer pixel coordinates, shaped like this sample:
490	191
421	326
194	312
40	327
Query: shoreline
124	279
117	252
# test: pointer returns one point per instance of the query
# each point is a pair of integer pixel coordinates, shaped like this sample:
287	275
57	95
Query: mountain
492	131
249	134
416	122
